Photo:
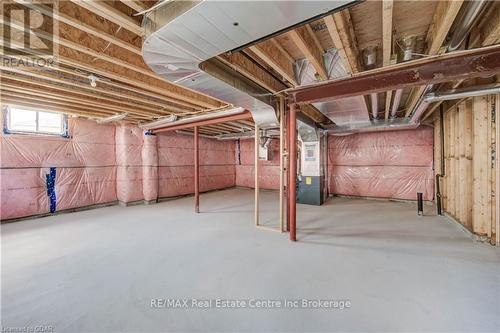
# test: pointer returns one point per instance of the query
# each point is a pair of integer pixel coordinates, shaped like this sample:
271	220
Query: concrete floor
97	270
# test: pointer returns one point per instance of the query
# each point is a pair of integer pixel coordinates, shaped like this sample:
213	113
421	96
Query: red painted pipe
196	171
293	172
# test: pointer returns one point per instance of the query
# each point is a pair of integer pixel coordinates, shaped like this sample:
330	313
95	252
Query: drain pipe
395	103
441	174
374	102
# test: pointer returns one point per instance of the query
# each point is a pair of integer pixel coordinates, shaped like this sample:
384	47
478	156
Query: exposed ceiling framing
103	39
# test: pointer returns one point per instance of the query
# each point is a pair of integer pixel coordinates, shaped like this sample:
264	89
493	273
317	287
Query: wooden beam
244	115
86	50
340	28
48	96
445	14
40	105
146	82
305	40
87	90
135	5
63	104
497	173
464	175
112	14
61	17
387	7
247	67
276	59
481	220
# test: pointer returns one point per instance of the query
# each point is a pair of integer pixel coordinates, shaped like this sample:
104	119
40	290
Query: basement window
17	120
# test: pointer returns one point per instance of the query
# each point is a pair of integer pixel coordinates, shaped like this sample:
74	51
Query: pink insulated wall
85	169
104	164
395	164
176	164
269	170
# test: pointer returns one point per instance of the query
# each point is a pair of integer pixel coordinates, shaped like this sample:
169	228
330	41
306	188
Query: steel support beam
481	62
240	116
196	171
293	172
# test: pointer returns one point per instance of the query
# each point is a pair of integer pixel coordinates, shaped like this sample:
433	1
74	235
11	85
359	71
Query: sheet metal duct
343	111
181	37
463	24
414	120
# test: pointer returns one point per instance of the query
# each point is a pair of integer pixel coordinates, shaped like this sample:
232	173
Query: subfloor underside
99	270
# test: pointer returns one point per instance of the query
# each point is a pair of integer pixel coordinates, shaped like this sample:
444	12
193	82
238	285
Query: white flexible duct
181	35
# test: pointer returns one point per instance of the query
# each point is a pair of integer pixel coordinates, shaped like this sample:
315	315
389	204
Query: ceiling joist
112	14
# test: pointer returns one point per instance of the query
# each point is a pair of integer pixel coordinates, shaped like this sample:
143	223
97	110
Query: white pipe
110	119
158	123
170	121
374	99
415	118
395	104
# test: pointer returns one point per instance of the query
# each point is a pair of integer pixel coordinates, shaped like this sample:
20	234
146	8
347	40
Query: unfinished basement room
250	166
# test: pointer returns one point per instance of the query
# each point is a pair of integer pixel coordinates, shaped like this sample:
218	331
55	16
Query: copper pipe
293	172
196	171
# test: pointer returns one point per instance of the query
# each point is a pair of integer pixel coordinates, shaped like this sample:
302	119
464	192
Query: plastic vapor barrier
176	164
395	164
269	172
83	165
100	164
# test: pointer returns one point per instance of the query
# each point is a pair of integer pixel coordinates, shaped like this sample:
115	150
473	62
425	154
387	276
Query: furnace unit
311	187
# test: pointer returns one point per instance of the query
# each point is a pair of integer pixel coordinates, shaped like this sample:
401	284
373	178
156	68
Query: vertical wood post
293	172
196	171
256	172
497	170
287	173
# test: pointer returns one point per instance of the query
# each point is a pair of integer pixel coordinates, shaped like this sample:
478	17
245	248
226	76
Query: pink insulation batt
395	164
176	164
104	164
85	167
269	170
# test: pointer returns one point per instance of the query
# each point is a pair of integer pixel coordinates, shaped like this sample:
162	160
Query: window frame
7	125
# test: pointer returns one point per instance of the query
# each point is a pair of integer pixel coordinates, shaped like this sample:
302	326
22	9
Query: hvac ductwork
183	37
414	121
463	24
468	15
